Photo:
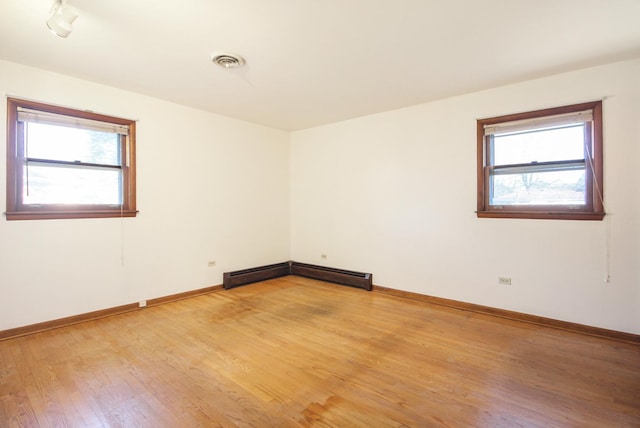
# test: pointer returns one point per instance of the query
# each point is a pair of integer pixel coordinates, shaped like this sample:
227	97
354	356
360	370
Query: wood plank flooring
294	352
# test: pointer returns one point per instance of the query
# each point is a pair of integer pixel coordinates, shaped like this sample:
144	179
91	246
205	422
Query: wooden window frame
593	208
16	210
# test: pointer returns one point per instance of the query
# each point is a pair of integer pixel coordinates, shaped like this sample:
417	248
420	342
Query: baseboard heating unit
323	273
257	274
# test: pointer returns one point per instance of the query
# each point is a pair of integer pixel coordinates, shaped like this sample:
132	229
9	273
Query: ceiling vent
227	60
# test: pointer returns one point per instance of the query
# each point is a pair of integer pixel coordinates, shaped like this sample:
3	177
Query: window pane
60	185
543	188
543	145
62	143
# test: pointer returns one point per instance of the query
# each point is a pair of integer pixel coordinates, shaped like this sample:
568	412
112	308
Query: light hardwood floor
298	352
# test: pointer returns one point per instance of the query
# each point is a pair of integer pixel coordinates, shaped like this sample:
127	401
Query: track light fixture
61	18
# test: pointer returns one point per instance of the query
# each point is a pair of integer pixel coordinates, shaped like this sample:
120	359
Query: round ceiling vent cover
227	60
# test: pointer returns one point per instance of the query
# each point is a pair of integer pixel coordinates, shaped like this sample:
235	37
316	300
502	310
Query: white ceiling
311	62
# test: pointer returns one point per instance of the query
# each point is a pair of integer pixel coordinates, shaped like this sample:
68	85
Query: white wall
209	188
394	194
214	188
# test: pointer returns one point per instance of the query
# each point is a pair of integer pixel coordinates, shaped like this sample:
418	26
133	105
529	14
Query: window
64	163
542	164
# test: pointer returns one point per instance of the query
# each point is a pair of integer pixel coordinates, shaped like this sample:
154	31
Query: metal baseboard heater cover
257	274
323	273
339	276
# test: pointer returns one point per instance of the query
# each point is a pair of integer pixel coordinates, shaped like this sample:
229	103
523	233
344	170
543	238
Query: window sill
542	215
53	215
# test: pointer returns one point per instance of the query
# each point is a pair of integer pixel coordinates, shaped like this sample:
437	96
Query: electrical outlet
211	263
503	280
142	303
